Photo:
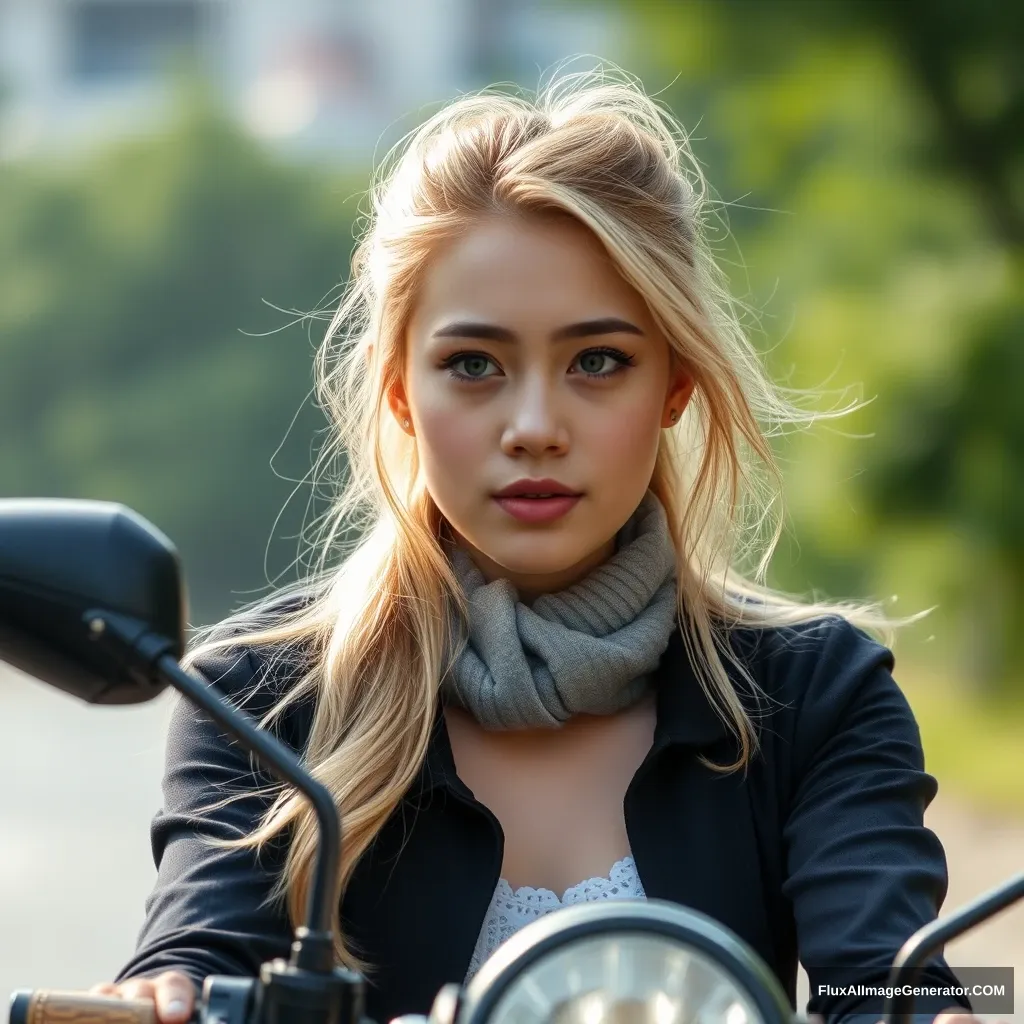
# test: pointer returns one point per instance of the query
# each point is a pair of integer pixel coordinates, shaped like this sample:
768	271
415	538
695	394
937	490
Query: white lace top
511	909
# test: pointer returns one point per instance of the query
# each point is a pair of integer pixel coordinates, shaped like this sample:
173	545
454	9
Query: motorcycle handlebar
50	1006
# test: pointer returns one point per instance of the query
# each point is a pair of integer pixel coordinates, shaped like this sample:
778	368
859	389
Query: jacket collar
685	717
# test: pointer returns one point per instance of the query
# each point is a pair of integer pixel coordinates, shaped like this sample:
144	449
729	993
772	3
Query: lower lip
538	510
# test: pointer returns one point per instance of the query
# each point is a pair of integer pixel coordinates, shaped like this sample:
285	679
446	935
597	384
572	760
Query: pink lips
539	510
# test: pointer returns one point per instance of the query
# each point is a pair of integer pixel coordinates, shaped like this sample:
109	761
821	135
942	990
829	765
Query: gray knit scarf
588	649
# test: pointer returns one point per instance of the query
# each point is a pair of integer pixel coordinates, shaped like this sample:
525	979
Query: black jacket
818	852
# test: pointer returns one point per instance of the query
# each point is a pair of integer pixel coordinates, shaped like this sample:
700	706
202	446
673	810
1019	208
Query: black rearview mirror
62	561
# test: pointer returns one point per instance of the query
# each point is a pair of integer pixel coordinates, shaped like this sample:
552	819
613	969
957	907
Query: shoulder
829	653
256	678
821	679
226	655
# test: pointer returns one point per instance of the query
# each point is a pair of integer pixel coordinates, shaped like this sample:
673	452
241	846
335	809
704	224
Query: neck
587	649
530	586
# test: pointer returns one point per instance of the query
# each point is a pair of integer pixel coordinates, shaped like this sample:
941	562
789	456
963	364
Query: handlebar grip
47	1006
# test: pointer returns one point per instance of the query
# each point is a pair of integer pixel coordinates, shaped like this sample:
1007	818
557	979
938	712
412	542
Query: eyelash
618	355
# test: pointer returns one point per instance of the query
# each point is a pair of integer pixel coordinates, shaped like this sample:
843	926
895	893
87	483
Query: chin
535	555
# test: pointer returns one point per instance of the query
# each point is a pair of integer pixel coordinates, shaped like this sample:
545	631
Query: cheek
448	450
626	442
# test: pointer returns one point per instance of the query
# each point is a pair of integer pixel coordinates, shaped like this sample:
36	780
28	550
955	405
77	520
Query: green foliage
957	458
959	448
866	163
867	183
130	291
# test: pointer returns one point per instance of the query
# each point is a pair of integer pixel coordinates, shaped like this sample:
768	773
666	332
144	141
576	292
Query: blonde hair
375	628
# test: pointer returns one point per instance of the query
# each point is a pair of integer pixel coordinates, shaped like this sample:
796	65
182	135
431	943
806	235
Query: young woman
540	675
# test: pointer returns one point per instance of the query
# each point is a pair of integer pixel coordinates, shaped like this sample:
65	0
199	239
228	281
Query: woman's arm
864	873
207	912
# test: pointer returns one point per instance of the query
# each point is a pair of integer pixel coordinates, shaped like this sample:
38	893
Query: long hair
375	624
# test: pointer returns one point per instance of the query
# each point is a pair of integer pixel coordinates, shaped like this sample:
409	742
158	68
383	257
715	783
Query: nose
535	422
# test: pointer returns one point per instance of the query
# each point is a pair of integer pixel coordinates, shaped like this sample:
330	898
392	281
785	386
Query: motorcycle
92	602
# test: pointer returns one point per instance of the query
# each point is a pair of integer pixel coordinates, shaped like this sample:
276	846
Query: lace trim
510	909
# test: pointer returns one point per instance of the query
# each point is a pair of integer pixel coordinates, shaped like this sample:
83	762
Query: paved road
81	783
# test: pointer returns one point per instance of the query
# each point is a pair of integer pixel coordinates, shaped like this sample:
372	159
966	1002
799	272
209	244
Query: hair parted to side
374	625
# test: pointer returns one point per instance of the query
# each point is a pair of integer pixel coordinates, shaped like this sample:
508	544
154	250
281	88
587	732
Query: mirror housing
61	561
92	602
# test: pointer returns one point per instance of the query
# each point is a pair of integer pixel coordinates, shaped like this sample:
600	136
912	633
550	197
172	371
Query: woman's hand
172	993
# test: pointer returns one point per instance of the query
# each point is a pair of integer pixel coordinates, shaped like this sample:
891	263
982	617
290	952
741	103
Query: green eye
591	362
620	358
474	361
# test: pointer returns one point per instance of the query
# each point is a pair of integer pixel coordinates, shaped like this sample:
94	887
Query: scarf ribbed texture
588	649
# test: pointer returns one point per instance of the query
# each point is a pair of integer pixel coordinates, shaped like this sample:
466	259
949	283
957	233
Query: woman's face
529	357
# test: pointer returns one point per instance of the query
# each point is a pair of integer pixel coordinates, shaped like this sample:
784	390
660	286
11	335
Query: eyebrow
492	332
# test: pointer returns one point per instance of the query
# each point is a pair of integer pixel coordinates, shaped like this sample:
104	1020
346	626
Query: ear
679	394
396	398
398	403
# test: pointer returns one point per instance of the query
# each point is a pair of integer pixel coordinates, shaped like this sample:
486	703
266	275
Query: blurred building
317	77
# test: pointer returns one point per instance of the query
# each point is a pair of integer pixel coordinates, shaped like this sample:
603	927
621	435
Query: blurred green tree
881	146
957	457
137	360
963	61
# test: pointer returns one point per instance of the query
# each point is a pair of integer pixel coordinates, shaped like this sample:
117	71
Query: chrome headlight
620	962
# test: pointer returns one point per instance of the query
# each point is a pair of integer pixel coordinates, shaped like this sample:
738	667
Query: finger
174	997
136	988
105	988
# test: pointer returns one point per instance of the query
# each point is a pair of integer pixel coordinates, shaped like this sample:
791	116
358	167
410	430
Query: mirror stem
314	946
313	949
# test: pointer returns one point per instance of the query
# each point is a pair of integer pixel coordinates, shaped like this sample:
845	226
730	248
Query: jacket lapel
416	901
692	829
